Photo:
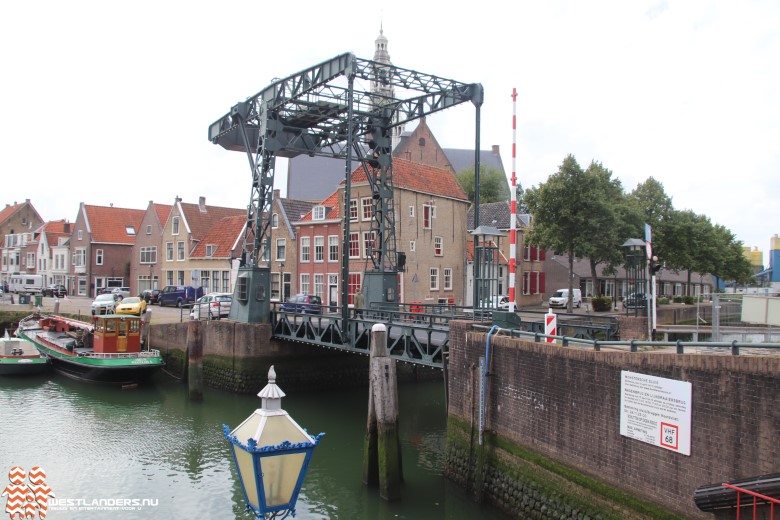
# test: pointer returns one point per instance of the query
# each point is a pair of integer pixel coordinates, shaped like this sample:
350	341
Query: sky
110	102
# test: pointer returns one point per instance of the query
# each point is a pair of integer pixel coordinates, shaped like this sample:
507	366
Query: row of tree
588	214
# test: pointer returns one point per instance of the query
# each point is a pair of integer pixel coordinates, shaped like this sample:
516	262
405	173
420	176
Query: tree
493	185
560	214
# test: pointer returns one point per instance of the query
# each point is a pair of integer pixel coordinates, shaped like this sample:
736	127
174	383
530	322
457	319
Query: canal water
151	453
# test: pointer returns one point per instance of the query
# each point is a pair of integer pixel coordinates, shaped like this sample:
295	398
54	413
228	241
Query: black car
303	303
57	290
151	296
635	301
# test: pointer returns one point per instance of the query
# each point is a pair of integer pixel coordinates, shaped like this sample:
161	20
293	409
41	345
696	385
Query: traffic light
655	265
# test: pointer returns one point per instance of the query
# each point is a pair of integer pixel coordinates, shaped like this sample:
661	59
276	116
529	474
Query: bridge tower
332	109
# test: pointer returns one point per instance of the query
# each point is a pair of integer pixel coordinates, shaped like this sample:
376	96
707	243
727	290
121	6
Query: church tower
383	90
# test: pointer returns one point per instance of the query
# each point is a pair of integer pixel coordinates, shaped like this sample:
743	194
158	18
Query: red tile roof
9	210
55	229
201	222
109	225
421	178
223	234
163	210
331	202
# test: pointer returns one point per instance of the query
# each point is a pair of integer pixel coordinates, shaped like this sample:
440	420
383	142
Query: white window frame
411	211
99	256
169	253
180	253
211	249
80	234
366	209
281	242
319	249
440	242
175	226
368	237
319	285
412	246
354	214
274	221
148	255
305	249
305	283
354	237
447	274
333	248
148	229
433	279
318	213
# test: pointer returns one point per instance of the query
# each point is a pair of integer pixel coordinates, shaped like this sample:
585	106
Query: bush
689	300
663	301
678	299
602	303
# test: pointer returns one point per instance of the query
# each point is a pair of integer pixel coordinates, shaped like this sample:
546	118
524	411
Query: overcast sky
108	102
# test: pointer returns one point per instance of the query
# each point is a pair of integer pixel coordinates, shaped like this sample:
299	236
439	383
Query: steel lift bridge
344	108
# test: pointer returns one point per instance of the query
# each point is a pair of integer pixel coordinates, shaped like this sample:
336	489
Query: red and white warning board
551	325
656	410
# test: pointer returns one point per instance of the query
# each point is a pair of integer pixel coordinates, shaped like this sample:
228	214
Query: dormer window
130	230
211	249
318	213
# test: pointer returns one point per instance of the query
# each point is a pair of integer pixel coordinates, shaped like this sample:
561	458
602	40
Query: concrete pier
194	361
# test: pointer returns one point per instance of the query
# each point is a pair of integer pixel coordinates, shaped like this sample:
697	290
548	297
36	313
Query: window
527	253
353	210
354	245
411	211
319	249
276	279
319	285
243	288
80	235
31	259
179	251
429	213
225	281
318	213
215	281
368	243
181	277
281	250
305	249
526	282
333	248
305	284
149	229
434	280
149	255
80	257
211	249
438	248
168	277
175	225
367	210
204	281
286	285
447	272
130	230
412	245
353	286
274	225
169	251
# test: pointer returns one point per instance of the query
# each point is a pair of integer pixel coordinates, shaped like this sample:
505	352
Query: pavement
82	306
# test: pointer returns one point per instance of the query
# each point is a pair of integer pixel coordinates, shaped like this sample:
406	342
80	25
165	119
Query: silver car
212	306
104	304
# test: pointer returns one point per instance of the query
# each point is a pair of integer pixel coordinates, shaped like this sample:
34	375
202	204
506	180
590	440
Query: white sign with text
656	410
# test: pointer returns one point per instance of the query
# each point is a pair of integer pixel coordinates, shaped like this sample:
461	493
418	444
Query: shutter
534	279
542	284
542	256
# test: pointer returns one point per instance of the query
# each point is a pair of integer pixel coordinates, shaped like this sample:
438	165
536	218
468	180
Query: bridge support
382	448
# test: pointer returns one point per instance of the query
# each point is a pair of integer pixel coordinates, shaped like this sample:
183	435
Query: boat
108	350
19	356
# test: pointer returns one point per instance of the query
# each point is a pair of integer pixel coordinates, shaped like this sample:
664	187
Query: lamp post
272	453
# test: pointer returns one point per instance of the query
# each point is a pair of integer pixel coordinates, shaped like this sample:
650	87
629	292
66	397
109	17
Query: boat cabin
115	333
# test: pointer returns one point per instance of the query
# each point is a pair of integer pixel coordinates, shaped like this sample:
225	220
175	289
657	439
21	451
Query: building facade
145	263
17	223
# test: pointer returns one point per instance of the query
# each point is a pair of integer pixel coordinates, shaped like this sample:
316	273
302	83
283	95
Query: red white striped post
550	325
513	209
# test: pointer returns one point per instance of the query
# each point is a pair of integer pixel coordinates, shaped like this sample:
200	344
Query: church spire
385	91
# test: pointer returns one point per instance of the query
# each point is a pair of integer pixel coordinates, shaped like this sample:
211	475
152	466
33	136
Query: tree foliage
493	185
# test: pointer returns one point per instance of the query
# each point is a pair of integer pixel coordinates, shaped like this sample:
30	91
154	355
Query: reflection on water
98	442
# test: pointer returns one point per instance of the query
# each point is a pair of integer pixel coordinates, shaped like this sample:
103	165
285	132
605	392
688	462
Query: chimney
66	227
495	149
276	194
202	204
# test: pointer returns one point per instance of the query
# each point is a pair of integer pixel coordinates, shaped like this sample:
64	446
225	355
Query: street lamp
273	460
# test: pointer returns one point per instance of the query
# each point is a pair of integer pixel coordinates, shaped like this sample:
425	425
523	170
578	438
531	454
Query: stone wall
558	409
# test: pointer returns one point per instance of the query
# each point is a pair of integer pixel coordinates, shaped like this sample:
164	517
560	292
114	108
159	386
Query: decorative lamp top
271	394
634	244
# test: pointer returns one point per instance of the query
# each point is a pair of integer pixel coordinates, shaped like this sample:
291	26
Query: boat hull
23	367
120	375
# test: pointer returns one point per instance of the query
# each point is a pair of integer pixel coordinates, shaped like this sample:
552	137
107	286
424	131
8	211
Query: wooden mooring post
194	361
382	447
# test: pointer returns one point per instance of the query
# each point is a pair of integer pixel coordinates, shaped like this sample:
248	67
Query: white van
25	283
560	298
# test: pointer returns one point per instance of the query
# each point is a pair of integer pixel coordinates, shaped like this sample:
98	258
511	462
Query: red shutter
534	279
525	282
534	254
542	285
541	256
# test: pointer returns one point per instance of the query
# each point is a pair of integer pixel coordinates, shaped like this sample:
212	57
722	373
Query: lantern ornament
273	459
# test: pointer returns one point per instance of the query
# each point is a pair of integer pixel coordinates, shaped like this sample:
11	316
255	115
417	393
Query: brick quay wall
552	431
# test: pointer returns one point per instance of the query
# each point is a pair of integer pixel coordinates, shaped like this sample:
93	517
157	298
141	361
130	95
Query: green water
154	446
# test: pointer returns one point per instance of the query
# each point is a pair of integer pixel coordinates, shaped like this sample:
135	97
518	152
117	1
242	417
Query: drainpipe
484	364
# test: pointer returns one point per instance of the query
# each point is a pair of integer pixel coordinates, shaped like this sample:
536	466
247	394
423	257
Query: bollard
147	327
382	448
194	361
56	306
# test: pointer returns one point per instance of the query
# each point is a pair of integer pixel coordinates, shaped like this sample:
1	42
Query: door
121	336
333	291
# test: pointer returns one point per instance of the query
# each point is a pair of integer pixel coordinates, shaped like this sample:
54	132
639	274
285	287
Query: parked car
560	298
151	296
496	302
212	306
122	292
179	295
134	305
55	290
104	304
303	303
635	301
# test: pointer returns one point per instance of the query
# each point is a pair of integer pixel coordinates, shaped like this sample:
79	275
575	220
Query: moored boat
19	356
108	350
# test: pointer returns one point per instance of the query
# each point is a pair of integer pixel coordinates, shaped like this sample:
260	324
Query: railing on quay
634	344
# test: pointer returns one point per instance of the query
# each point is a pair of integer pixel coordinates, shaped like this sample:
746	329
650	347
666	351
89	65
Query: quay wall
237	356
552	437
